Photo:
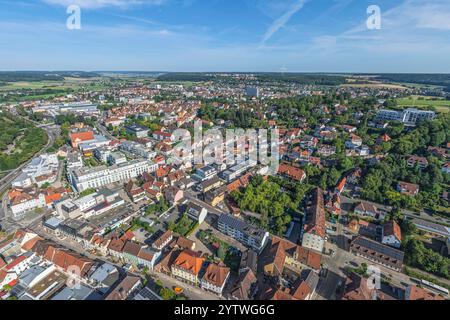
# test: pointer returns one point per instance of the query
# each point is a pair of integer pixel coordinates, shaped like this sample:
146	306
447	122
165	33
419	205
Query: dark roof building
378	253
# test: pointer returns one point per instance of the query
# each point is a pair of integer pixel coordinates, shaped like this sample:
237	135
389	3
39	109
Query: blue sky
226	35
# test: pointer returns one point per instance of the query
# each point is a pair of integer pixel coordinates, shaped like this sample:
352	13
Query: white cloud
281	21
96	4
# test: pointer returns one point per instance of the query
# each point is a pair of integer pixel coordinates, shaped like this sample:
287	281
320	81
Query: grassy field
424	102
68	83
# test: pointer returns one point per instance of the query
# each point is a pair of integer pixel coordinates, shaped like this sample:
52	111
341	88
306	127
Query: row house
163	241
291	172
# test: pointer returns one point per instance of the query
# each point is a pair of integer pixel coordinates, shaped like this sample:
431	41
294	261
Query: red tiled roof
392	228
417	293
216	274
315	215
15	262
292	172
81	136
189	261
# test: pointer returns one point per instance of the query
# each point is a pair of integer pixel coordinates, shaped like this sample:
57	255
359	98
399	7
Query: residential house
410	189
302	289
115	248
173	195
148	257
215	278
130	252
245	287
163	241
359	289
187	266
414	292
367	209
196	212
135	193
392	234
354	141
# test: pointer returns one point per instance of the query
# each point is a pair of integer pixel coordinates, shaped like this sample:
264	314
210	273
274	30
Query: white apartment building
409	116
27	203
86	178
243	232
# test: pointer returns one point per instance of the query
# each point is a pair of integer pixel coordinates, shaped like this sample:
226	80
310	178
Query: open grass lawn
441	105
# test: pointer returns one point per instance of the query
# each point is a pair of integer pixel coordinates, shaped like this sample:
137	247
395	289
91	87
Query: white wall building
86	178
27	203
409	116
44	165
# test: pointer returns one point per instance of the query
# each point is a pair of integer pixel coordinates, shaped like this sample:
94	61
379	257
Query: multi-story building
378	253
205	173
187	266
86	178
409	116
137	130
421	162
252	92
215	278
196	212
74	160
313	231
163	240
246	233
236	171
26	202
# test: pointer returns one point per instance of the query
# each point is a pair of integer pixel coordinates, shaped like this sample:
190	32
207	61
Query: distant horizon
235	72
